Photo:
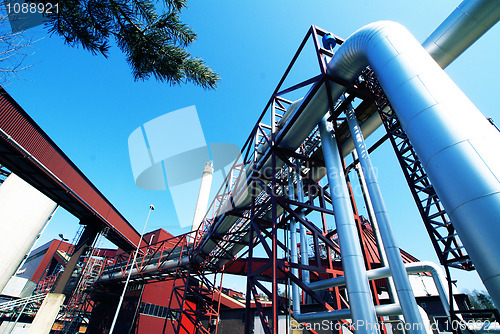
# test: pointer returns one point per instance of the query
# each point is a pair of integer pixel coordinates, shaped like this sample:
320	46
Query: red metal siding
159	293
49	254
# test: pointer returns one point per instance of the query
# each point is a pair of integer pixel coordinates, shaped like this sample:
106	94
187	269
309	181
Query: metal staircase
75	311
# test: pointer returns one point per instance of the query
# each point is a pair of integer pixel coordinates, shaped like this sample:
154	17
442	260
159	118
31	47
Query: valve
329	41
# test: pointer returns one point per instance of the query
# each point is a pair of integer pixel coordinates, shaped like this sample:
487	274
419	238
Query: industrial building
268	223
148	302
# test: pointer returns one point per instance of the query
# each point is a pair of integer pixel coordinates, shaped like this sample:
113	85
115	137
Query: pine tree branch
153	43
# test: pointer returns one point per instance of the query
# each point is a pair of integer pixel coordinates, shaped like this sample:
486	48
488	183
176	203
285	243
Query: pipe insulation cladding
456	144
455	28
470	20
464	26
358	288
391	249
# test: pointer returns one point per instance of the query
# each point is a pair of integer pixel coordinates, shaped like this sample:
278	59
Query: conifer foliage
154	40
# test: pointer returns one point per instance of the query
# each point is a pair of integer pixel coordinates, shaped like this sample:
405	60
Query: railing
152	255
45	285
22	302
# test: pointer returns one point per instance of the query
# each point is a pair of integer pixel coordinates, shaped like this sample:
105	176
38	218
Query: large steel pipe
389	244
358	289
469	21
466	24
118	273
455	143
318	105
411	268
462	28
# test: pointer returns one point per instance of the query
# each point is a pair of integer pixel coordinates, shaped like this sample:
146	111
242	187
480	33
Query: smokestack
203	196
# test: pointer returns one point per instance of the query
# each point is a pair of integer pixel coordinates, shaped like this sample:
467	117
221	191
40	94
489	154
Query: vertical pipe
396	266
358	289
459	150
293	246
304	256
373	219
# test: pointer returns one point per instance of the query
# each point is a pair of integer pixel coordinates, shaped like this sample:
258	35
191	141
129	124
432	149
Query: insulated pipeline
317	107
455	143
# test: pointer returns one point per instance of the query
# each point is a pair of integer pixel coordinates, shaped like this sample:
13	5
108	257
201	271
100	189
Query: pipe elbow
363	48
433	268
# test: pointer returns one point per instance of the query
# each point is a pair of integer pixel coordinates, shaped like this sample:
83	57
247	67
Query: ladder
75	311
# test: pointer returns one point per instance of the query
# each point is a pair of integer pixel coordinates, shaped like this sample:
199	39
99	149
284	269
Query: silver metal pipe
459	150
394	260
462	28
293	246
359	325
376	232
469	21
169	264
358	289
385	272
318	106
304	254
439	281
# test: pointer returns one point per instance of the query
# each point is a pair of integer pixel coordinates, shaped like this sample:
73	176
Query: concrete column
44	319
23	213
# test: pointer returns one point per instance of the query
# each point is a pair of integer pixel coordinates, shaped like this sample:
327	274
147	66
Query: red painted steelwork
45	166
49	254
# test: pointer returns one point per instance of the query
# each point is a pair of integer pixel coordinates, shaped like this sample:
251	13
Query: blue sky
89	105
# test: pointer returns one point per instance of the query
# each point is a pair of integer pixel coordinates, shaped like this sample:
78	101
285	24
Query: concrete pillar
203	196
46	315
23	213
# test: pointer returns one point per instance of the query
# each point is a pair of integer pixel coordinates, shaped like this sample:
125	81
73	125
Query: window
153	310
